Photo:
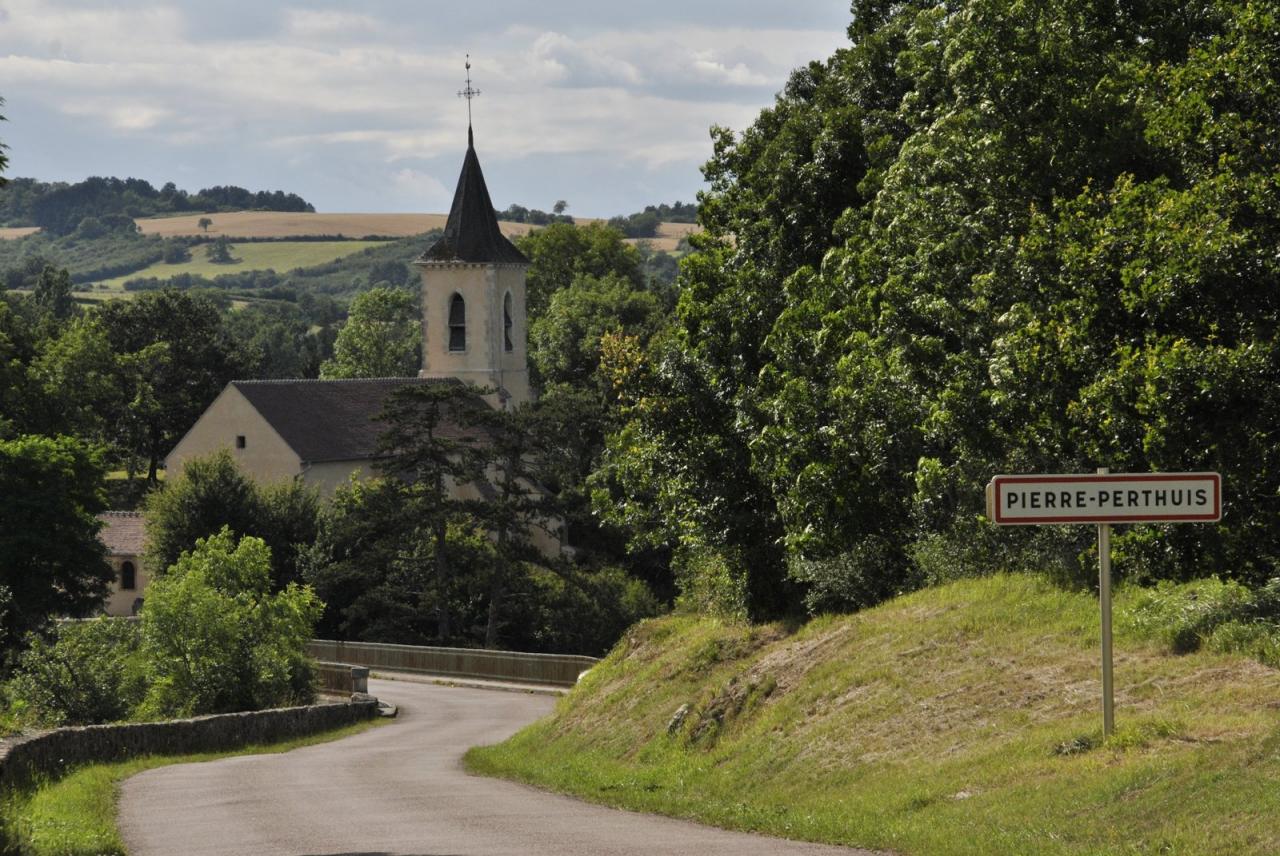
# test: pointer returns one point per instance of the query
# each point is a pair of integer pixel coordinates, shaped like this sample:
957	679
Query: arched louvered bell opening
457	323
506	322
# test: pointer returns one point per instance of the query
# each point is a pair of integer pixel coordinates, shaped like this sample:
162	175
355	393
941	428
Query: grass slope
280	256
958	720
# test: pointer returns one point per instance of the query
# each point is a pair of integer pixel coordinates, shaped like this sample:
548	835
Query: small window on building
506	322
457	323
239	441
128	577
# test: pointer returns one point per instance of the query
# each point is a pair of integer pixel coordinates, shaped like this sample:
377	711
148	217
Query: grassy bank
959	720
76	815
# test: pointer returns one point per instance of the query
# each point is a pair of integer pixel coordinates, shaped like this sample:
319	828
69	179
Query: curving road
400	790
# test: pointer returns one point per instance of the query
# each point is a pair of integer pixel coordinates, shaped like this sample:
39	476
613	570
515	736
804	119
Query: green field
958	720
280	256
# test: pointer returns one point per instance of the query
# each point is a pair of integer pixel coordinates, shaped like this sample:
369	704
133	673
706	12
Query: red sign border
1087	478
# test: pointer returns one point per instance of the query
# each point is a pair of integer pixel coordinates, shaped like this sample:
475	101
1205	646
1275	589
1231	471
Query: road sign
1105	498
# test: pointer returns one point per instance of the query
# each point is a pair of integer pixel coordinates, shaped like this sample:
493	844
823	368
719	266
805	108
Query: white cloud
121	117
576	64
309	23
425	190
380	84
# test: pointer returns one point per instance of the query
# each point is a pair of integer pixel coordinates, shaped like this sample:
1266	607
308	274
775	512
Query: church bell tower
473	292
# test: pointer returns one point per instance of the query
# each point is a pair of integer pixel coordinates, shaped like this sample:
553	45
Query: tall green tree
964	244
423	447
23	409
181	357
564	343
84	382
562	251
53	292
514	504
51	561
212	494
382	337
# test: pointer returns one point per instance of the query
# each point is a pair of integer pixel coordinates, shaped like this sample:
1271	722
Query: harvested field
10	233
278	224
669	235
281	224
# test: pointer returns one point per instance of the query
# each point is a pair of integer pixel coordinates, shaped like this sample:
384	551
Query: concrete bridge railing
342	677
553	669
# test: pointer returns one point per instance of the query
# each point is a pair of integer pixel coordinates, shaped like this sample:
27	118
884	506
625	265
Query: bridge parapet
551	669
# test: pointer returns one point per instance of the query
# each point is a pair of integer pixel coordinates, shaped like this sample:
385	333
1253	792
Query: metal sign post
1104	499
1104	602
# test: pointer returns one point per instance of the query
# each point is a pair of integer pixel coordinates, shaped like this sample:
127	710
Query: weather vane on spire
469	92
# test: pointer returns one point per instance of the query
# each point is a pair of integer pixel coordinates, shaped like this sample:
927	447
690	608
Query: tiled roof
472	233
332	420
124	534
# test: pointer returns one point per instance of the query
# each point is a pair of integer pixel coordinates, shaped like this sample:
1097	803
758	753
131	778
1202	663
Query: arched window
457	323
506	322
128	577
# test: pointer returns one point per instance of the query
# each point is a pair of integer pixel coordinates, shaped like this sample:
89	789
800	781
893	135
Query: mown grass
76	814
959	720
280	256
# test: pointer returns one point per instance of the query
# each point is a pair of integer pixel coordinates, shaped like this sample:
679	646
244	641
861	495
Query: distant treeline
537	217
644	224
641	224
59	207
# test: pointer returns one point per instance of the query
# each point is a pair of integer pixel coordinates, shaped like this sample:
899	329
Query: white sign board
1105	498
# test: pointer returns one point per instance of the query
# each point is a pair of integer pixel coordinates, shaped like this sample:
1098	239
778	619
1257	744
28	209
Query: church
473	327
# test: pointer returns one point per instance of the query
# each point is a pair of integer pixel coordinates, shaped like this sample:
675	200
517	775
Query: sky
354	106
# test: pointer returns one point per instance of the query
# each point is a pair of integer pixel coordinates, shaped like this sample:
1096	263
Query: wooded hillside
985	237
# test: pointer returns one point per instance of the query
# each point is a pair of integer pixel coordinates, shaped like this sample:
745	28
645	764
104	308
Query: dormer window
506	323
457	323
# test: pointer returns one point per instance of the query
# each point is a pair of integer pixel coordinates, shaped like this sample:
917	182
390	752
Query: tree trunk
443	628
497	588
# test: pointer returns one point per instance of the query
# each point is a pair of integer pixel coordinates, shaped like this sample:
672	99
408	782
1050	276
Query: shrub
176	252
869	573
87	672
709	583
216	640
1184	616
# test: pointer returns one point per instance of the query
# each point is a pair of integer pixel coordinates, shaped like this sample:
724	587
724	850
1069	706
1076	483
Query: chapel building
473	330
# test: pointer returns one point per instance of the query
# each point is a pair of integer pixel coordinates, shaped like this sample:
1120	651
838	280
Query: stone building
473	326
320	431
124	535
473	295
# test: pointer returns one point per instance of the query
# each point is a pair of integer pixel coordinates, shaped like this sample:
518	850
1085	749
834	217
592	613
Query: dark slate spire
472	233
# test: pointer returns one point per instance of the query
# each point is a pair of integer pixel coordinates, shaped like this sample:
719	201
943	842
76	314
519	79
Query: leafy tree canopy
181	358
214	637
51	561
561	252
381	338
212	494
984	237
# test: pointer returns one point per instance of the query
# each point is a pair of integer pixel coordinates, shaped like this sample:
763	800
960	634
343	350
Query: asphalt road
400	790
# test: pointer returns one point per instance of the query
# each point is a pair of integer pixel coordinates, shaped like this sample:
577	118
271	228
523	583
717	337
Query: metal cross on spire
469	92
